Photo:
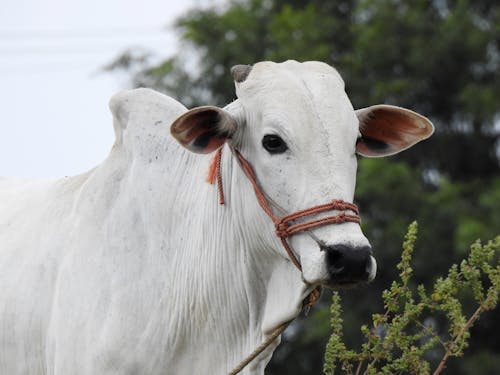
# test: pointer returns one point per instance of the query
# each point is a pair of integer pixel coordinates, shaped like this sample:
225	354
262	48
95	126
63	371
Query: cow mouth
345	284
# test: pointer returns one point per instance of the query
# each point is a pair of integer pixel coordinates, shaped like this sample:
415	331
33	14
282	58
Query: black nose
347	264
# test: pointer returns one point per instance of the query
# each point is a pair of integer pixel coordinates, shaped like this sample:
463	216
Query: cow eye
274	144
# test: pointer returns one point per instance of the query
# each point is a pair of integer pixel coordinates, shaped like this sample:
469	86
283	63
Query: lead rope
278	331
283	229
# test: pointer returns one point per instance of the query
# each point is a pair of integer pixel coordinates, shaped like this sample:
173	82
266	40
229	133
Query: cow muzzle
348	266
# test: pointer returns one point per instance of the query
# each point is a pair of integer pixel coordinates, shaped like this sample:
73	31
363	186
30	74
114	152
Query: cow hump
142	113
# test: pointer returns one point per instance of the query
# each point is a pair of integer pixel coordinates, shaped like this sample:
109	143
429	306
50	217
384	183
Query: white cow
135	268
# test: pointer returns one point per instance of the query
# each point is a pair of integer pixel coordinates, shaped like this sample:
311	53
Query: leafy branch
401	339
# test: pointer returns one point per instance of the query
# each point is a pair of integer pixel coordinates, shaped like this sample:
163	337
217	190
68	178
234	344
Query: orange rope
284	229
214	173
283	226
219	175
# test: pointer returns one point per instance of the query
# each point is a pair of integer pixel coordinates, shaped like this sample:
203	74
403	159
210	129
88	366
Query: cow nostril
335	261
348	265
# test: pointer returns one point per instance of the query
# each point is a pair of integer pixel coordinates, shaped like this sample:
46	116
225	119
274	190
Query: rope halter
284	226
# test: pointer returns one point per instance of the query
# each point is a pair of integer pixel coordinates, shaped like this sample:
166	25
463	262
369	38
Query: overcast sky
54	97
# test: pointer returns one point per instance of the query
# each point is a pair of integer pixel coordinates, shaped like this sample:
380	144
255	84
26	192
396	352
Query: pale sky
54	98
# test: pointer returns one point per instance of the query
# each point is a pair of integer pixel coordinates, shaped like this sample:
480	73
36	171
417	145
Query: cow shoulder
142	118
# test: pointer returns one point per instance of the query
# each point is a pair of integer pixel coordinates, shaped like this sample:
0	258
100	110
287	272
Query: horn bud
240	72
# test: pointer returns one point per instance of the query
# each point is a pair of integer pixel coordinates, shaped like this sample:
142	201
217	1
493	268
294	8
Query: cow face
296	126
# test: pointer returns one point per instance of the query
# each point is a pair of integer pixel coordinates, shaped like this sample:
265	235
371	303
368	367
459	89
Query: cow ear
387	130
203	129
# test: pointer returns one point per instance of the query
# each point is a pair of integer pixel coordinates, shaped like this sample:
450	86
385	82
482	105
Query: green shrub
419	326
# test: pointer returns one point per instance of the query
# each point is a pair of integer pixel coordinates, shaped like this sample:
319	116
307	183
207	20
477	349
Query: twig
358	370
464	329
375	359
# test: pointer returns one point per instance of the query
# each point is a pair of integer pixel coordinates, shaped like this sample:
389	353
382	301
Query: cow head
296	126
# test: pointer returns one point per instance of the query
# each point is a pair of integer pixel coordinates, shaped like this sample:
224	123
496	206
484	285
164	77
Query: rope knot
344	206
281	229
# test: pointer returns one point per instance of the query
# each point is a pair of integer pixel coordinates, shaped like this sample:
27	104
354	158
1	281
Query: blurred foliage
438	57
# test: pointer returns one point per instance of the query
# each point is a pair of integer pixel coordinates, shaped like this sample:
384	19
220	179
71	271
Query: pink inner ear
200	130
192	123
387	130
390	127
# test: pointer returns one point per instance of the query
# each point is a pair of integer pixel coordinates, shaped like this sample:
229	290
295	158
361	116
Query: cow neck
284	225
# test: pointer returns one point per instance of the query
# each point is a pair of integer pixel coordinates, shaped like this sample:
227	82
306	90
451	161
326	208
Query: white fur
134	267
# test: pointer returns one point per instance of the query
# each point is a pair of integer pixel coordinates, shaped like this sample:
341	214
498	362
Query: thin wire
49	67
70	49
76	33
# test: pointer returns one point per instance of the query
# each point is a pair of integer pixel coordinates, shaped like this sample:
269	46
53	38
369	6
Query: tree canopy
438	57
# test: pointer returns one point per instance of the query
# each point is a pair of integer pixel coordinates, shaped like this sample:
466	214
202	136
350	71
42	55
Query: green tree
438	57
